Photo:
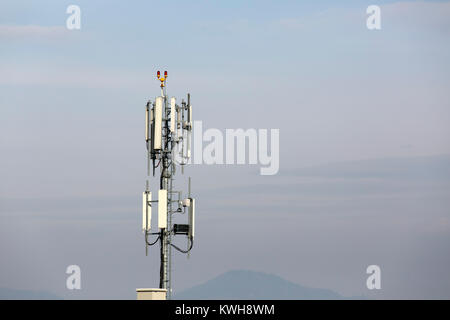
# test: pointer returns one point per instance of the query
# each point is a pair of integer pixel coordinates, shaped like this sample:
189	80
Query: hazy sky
72	157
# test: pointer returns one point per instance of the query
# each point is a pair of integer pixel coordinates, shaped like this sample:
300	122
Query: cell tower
168	128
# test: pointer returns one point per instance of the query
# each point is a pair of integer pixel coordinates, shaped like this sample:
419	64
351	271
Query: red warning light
158	74
165	74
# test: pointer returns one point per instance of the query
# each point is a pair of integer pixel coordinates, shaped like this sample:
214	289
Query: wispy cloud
32	31
67	76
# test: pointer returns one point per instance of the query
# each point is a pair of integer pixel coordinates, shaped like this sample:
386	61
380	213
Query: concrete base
151	294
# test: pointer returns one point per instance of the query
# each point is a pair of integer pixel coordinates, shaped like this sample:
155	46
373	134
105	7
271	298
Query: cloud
31	31
68	76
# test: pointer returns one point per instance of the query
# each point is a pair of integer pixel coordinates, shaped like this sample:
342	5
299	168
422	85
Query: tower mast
167	134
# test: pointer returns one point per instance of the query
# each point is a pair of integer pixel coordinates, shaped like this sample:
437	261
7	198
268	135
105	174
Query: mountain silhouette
251	285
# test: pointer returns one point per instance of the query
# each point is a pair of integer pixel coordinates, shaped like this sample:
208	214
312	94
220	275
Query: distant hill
13	294
248	285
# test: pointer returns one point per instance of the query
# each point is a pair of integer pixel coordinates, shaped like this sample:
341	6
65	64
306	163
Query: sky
350	104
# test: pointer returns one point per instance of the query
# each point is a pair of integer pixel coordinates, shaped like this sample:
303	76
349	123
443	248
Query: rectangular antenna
162	209
179	117
172	114
189	187
192	218
189	109
157	114
188	144
147	122
152	130
189	120
146	211
148	116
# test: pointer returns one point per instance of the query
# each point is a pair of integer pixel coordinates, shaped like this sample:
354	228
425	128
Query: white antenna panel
172	114
190	116
178	117
146	211
162	209
188	142
147	123
192	218
157	114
